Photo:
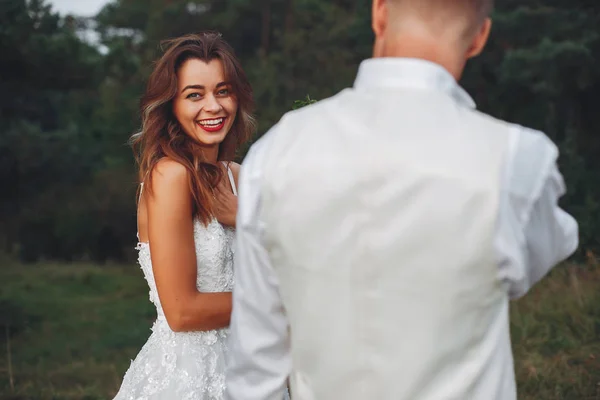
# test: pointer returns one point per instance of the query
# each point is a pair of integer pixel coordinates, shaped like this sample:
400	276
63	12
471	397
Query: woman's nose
212	104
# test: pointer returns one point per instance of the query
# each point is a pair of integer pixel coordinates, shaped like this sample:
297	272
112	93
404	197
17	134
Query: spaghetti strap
139	200
231	180
141	190
142	186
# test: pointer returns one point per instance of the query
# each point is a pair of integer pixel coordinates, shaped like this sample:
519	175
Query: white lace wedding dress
185	365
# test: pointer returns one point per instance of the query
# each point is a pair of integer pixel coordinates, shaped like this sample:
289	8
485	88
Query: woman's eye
193	96
223	92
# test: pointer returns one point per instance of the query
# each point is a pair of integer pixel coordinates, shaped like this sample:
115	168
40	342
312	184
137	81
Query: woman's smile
213	124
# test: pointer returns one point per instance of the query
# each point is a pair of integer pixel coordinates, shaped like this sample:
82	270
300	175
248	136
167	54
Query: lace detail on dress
185	365
214	258
215	261
173	365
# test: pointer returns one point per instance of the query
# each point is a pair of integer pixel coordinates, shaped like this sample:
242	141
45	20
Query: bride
195	113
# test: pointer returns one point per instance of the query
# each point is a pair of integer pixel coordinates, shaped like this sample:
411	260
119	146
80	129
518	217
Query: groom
382	232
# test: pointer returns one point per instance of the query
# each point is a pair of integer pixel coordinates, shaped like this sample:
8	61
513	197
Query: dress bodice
214	261
186	365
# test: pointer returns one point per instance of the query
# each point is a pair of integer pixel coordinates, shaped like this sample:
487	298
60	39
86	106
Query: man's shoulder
523	138
314	110
531	140
529	155
530	160
293	123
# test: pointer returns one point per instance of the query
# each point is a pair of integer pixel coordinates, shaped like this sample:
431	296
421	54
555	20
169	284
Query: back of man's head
477	8
444	31
439	14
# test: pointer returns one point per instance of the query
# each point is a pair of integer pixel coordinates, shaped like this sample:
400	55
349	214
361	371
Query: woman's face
204	105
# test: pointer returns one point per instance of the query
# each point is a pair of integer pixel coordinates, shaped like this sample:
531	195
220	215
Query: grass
73	330
556	336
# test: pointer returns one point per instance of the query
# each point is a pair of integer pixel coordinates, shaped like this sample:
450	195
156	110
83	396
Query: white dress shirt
532	234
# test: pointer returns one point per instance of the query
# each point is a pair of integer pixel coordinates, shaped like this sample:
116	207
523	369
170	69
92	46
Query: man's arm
551	235
545	234
259	362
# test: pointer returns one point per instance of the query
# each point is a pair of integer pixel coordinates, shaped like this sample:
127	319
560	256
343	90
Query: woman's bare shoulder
168	170
169	174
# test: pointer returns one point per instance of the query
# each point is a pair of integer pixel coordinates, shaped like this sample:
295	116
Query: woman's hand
225	206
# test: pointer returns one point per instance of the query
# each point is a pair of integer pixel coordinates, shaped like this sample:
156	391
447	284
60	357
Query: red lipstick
212	127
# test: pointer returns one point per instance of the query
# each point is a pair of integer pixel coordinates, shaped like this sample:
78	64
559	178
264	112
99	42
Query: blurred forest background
69	92
68	106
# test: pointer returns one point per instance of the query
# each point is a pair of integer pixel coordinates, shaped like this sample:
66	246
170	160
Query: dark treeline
67	108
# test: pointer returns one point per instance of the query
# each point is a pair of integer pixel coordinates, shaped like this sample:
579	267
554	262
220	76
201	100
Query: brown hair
161	134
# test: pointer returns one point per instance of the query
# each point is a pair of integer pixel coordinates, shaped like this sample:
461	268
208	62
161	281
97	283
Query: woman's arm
171	236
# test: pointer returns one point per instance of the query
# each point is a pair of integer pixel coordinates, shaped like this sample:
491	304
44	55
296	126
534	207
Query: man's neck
440	52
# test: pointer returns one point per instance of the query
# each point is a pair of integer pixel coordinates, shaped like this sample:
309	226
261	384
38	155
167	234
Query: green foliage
541	69
302	103
67	109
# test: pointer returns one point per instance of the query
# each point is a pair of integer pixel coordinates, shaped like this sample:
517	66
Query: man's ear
380	17
480	39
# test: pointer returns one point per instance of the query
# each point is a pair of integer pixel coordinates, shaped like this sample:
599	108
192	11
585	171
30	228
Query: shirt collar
410	73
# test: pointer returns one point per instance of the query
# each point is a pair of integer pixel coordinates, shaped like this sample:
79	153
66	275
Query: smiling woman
196	82
205	105
195	113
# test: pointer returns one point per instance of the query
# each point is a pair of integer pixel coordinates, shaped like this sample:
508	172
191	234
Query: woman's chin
210	139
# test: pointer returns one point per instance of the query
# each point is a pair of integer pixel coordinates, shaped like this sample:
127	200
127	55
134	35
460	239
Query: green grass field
73	329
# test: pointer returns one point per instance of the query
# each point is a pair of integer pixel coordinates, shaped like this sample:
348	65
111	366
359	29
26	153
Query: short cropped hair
480	9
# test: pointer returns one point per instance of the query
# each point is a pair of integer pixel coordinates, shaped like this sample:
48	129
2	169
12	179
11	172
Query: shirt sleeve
259	361
551	235
536	234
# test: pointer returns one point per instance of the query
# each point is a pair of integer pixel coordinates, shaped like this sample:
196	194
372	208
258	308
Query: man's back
393	223
380	207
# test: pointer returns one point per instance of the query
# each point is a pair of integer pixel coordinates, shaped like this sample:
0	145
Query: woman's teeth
211	122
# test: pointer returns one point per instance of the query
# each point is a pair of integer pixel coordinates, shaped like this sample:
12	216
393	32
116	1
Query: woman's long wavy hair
161	134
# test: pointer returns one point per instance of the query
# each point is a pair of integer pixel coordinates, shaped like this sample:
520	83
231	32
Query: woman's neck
210	154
